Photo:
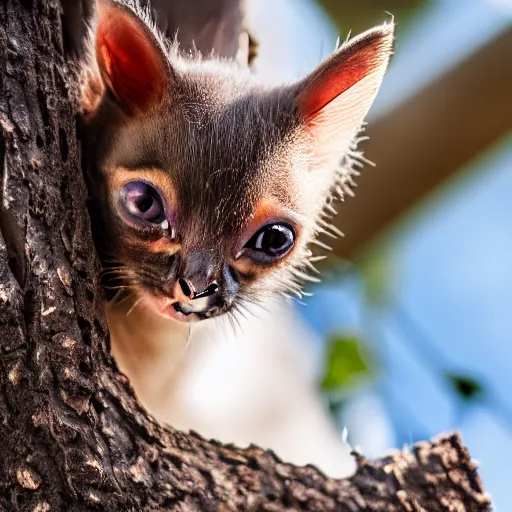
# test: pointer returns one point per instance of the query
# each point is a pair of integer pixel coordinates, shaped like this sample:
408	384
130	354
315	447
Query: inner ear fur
130	59
335	98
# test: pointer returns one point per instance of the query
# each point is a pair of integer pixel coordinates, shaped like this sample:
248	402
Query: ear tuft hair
334	100
128	59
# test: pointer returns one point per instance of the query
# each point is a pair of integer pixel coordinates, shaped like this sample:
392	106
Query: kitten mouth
174	310
195	310
171	309
180	309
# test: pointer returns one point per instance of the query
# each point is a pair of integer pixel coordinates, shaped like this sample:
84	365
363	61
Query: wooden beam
359	15
427	139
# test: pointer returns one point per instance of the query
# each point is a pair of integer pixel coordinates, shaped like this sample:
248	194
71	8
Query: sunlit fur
227	142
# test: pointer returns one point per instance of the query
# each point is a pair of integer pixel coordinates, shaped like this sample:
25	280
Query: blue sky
455	280
451	261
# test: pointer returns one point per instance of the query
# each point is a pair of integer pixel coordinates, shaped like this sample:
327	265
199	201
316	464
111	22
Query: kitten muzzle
206	287
203	304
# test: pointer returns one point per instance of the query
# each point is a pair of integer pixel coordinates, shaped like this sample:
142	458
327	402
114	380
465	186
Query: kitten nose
202	303
183	290
187	288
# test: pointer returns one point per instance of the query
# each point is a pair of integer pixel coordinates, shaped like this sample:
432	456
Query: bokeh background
413	319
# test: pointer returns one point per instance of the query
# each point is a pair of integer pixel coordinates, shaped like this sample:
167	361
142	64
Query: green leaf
467	388
344	363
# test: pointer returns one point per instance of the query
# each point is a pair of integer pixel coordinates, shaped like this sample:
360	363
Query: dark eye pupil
273	240
144	203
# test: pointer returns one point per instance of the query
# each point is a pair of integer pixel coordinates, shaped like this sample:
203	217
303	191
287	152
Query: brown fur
228	153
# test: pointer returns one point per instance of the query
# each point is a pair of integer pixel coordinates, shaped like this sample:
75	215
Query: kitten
207	187
207	190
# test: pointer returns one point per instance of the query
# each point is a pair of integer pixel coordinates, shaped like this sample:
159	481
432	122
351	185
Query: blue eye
143	201
271	242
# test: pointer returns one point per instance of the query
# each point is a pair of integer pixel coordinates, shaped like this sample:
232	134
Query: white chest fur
253	385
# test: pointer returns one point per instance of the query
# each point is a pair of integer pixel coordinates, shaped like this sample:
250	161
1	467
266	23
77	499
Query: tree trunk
73	436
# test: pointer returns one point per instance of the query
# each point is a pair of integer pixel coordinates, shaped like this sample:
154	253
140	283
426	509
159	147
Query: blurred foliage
335	406
467	388
345	363
376	267
359	15
332	268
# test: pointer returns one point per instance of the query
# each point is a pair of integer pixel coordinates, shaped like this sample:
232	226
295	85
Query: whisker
135	304
236	320
238	309
123	299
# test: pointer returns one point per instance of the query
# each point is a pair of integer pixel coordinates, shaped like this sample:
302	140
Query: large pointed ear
131	60
334	100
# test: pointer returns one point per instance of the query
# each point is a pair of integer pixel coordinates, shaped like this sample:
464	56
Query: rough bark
72	434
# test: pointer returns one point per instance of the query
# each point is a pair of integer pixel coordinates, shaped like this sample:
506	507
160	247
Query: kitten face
206	187
208	198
